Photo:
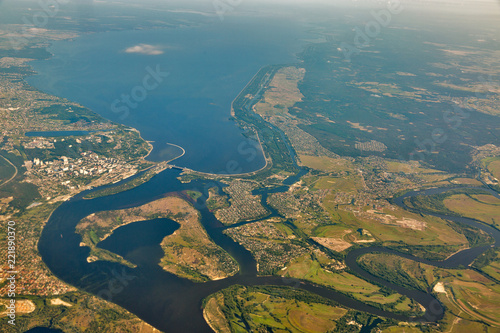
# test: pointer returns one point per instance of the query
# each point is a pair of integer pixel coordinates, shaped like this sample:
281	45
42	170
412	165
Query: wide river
180	83
170	303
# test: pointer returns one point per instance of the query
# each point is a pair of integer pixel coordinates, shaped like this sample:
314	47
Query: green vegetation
82	313
435	203
194	195
310	268
489	264
216	201
276	145
282	309
341	109
23	193
133	183
6	170
466	293
485	208
472	203
394	270
258	309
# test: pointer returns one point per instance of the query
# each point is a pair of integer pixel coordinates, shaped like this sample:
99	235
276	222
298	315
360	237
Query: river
173	304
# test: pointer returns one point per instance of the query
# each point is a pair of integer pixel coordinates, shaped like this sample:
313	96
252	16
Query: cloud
145	49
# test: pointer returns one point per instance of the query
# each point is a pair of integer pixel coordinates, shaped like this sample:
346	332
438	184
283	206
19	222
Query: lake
180	83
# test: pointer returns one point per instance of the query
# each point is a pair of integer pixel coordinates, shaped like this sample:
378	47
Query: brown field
334	244
283	92
324	163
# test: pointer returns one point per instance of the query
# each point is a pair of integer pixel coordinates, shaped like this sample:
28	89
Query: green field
482	207
271	309
311	270
465	292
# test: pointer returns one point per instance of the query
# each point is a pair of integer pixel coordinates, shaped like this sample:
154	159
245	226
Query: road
15	173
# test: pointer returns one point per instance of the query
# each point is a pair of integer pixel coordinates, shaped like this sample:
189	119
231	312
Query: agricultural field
394	226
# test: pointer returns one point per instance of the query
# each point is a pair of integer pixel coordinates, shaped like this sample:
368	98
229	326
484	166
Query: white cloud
145	49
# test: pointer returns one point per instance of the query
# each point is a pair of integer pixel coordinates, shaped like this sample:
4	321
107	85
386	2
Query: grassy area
265	309
493	165
436	240
473	203
189	252
411	167
195	195
216	201
323	163
307	268
351	183
489	263
465	292
282	93
482	207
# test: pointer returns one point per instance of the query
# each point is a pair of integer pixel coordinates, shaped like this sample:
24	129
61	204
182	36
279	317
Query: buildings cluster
72	174
270	246
39	143
244	205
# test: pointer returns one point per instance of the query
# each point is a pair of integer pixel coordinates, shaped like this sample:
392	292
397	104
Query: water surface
207	67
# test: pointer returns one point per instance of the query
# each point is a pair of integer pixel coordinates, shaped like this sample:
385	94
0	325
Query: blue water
208	66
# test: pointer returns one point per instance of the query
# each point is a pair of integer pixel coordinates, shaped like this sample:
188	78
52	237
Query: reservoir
181	83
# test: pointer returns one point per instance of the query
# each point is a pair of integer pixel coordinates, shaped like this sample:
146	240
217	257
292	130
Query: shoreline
130	128
251	173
